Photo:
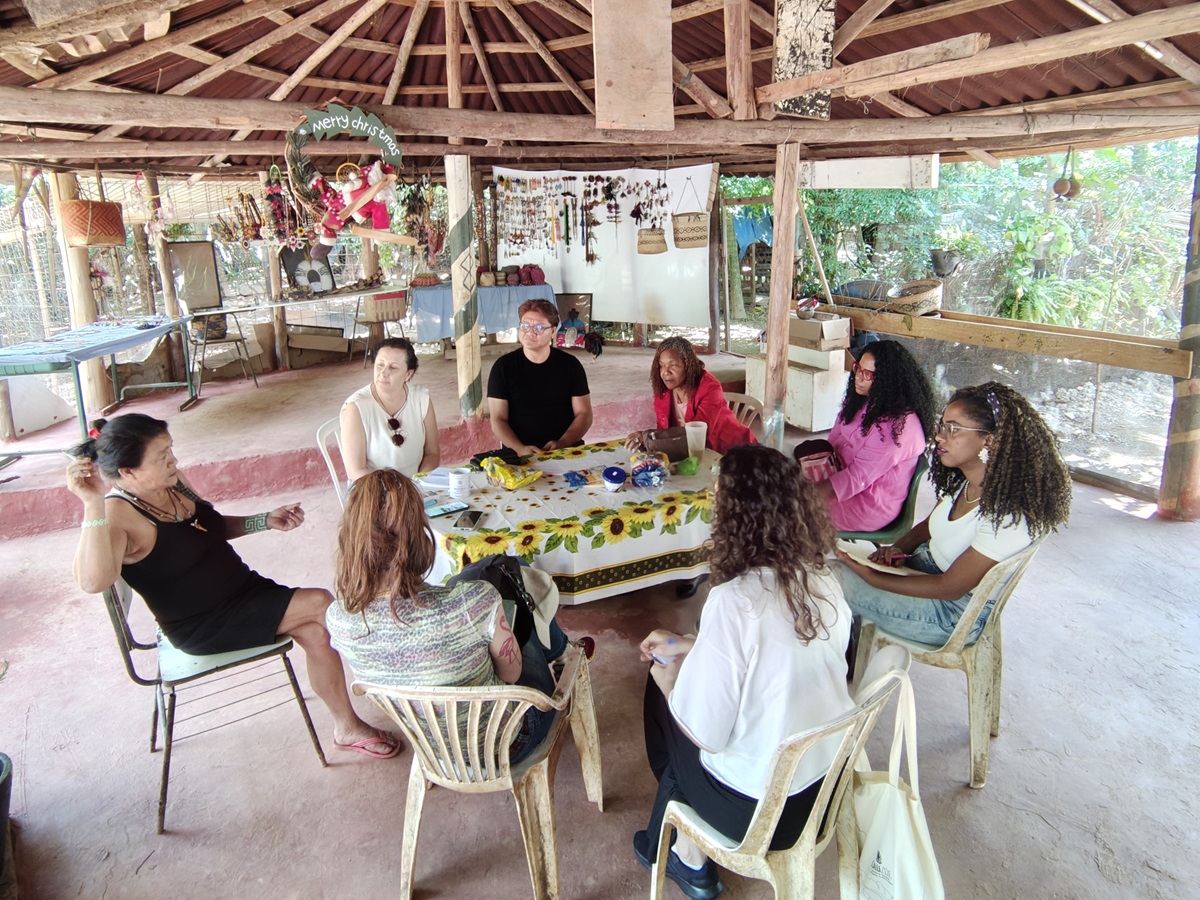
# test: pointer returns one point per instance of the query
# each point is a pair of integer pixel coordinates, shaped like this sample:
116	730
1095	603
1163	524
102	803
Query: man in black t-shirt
538	396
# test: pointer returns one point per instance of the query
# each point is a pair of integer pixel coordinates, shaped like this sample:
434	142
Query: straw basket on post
92	223
689	229
651	241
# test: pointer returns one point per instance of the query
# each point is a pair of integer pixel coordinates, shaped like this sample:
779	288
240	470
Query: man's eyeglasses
536	329
397	438
867	374
953	428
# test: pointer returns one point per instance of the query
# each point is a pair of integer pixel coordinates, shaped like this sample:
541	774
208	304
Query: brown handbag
671	441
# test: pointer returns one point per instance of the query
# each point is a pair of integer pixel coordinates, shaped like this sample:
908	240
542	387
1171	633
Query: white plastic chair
333	428
176	668
982	662
477	761
791	873
746	409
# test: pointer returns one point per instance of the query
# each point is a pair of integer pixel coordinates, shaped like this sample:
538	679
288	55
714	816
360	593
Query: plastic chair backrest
855	727
900	525
1000	580
333	428
746	409
461	735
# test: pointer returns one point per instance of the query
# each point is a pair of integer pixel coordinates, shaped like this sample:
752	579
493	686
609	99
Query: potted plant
951	247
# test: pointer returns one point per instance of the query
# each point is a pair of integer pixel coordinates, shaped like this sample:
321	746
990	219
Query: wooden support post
141	270
1179	491
714	276
803	44
279	313
787	161
167	278
370	267
481	231
97	388
462	279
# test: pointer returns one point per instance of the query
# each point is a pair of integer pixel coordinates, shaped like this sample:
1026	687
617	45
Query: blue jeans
535	673
911	618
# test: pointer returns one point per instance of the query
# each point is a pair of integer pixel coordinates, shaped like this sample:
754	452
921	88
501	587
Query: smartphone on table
445	509
469	519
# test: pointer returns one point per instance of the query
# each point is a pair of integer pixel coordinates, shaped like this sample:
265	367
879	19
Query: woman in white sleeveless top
390	424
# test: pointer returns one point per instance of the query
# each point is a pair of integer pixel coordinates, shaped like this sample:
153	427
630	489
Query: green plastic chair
900	526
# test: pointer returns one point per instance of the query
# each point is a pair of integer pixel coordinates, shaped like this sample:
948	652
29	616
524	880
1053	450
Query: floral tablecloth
595	543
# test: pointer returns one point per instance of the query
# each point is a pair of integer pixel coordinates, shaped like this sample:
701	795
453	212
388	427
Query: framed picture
194	271
304	272
574	319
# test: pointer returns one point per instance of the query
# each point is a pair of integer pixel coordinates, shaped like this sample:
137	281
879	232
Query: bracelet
94	523
255	523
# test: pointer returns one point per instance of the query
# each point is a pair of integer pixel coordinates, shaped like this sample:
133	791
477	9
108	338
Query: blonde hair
385	544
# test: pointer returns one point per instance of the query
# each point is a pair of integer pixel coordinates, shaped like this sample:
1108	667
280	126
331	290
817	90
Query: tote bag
896	859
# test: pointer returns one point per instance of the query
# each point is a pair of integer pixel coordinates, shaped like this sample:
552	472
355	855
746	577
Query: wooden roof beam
453	39
543	51
31	36
1162	52
710	101
129	110
581	20
853	26
1089	100
481	56
963	47
404	51
948	9
1145	27
149	50
739	75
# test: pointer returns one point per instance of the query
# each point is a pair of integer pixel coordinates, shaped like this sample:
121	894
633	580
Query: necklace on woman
966	495
393	420
177	510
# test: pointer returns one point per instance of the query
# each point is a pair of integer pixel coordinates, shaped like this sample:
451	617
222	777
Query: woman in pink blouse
884	426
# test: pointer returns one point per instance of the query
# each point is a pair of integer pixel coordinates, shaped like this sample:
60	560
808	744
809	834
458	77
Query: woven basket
651	241
91	223
914	298
487	279
425	279
690	230
389	307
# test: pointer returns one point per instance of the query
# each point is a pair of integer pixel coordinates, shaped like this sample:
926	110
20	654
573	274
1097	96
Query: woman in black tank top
173	548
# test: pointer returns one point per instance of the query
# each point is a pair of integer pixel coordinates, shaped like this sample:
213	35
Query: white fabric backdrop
664	289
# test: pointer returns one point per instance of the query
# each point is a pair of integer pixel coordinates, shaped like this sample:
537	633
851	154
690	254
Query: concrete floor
1087	796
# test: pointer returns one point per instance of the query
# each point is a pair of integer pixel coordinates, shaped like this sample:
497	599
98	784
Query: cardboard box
813	397
821	327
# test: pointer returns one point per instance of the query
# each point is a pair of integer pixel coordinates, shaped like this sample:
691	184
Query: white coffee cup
460	483
697	435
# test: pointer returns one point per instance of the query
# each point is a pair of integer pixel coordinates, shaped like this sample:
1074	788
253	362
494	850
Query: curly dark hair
1026	475
766	515
693	368
900	387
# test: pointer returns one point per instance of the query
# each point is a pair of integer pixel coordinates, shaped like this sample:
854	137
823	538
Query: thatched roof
173	85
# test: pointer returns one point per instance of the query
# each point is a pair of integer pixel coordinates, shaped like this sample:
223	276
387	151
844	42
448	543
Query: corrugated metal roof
359	70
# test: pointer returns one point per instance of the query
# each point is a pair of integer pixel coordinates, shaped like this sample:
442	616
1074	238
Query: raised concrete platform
240	441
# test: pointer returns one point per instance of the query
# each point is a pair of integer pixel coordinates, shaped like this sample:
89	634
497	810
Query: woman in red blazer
685	392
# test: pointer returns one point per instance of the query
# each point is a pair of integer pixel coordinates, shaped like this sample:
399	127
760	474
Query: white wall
664	289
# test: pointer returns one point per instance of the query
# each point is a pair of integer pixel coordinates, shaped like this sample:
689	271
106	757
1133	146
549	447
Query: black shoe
702	885
685	589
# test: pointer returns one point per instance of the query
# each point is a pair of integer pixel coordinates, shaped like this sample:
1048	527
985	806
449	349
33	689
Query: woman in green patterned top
393	629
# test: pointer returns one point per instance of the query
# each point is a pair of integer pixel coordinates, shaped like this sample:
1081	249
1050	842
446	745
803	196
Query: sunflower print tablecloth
595	543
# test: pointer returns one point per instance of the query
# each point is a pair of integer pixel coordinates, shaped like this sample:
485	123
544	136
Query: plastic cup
697	435
460	483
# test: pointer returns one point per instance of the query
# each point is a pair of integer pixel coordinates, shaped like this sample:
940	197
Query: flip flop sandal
364	746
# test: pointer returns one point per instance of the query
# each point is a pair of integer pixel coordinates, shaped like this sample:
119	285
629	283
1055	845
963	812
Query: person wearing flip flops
172	547
768	662
394	629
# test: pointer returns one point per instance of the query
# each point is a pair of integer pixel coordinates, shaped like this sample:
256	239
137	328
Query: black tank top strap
117	495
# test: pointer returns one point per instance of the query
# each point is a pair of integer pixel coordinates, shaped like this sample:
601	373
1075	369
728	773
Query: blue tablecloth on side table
434	308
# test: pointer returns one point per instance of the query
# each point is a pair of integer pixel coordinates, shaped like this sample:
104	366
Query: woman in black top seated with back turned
173	549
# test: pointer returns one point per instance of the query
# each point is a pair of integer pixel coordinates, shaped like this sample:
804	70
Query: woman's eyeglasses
953	428
397	438
867	374
536	329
